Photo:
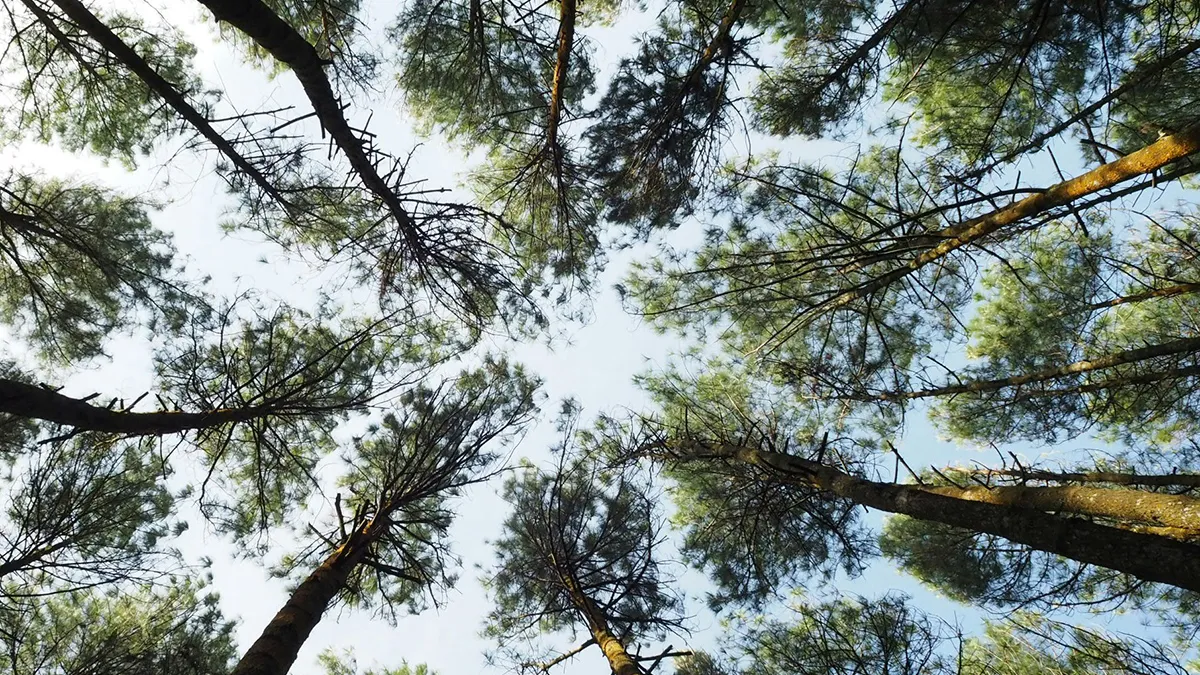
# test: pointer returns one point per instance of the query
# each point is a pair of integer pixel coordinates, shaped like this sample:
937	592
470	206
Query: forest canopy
749	337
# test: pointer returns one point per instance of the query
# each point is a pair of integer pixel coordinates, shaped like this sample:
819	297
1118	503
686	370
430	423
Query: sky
595	364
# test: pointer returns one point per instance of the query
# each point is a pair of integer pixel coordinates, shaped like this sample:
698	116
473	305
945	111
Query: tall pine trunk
30	401
1135	506
1145	556
1111	477
1185	346
614	650
274	652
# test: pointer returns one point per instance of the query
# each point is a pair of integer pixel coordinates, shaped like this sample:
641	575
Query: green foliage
849	636
580	546
295	377
753	537
67	89
438	443
178	629
342	662
983	570
408	471
76	261
1043	311
84	512
1028	643
481	70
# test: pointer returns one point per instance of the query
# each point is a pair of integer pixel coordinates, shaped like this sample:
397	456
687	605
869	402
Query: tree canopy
926	272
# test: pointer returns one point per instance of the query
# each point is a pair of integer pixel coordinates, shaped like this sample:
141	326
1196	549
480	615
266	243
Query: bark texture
1150	508
618	658
1145	556
1112	477
274	652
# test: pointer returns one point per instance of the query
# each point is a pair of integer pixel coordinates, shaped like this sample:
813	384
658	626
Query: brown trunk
1112	477
1166	292
82	17
1109	383
1149	508
33	402
1135	79
1145	556
614	650
274	652
1184	346
1151	158
566	38
261	24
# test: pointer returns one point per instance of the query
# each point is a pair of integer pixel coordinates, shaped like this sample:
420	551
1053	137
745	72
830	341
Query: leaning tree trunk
1184	346
1134	506
614	650
1190	480
274	652
280	39
1165	151
21	399
1145	556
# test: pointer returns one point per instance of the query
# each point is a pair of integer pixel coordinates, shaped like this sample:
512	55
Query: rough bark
274	652
566	40
1149	159
81	16
34	402
1150	508
1176	347
1145	556
619	659
261	24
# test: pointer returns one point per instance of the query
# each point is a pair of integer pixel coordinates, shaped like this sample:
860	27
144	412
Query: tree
857	636
392	550
82	513
178	629
721	434
579	553
78	261
850	636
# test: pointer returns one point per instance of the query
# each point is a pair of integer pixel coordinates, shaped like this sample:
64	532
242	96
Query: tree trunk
566	39
34	402
1136	506
1165	292
82	17
1145	556
614	650
261	24
274	652
1176	347
1149	159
